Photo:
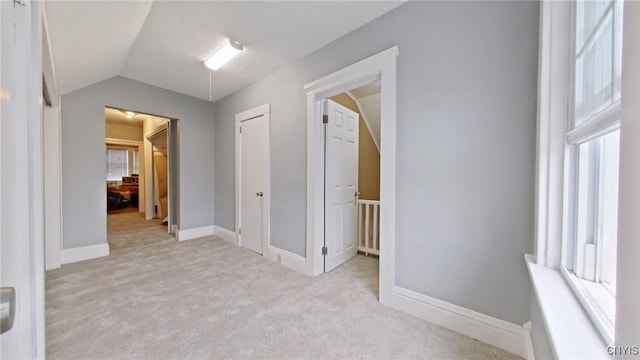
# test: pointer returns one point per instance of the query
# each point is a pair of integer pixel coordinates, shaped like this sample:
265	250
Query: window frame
568	328
580	131
558	140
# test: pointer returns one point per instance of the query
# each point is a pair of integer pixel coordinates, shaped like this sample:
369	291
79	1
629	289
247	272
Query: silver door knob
7	308
357	194
259	193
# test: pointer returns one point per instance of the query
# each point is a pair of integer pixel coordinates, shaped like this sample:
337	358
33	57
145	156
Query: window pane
597	224
608	208
588	15
617	55
586	214
594	73
117	164
597	209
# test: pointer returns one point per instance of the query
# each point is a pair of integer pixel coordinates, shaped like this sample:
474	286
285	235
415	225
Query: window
121	161
136	162
593	143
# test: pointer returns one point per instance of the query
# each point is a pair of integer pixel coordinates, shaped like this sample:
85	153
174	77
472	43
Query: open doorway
142	171
364	102
352	181
381	66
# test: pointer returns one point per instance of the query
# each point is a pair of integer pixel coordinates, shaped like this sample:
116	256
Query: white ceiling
164	43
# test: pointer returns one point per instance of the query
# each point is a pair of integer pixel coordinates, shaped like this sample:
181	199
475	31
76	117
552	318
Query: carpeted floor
130	229
208	299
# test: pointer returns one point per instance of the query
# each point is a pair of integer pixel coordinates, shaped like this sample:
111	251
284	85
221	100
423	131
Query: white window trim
628	286
553	104
553	115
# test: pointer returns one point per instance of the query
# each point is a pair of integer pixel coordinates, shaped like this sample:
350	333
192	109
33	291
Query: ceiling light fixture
224	54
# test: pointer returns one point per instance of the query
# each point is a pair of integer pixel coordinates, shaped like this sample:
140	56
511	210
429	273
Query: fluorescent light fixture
226	53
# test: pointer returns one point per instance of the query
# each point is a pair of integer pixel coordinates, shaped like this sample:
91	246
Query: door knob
357	194
259	193
7	308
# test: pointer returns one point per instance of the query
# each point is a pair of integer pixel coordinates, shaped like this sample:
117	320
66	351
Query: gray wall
466	118
83	172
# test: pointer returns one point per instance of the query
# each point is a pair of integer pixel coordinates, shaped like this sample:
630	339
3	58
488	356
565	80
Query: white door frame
52	188
381	66
264	111
52	155
22	190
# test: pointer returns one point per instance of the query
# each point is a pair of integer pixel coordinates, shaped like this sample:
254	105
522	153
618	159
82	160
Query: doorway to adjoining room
141	178
352	181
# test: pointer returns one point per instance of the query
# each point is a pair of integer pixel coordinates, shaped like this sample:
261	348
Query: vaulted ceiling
164	43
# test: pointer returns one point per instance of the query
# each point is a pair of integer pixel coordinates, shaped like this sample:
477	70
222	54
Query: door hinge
240	129
239	231
325	119
325	251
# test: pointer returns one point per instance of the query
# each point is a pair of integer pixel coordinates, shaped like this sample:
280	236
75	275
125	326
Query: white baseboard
195	233
499	333
287	259
224	234
528	343
69	256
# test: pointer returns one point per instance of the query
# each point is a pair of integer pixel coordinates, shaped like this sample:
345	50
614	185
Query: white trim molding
628	295
528	342
553	102
499	333
381	66
194	233
224	234
82	253
52	187
571	333
287	259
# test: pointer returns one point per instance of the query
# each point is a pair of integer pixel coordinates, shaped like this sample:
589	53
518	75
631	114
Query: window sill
571	333
598	303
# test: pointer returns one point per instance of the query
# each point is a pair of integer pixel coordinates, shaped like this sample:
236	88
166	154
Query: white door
341	185
253	157
21	183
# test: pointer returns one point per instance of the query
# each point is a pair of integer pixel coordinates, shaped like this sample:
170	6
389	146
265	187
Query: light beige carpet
130	229
207	299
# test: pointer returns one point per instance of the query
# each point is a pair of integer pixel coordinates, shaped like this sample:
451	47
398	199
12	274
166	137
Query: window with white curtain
121	161
593	148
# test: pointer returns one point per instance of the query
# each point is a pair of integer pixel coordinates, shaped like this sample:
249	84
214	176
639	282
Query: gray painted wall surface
539	336
466	119
83	172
